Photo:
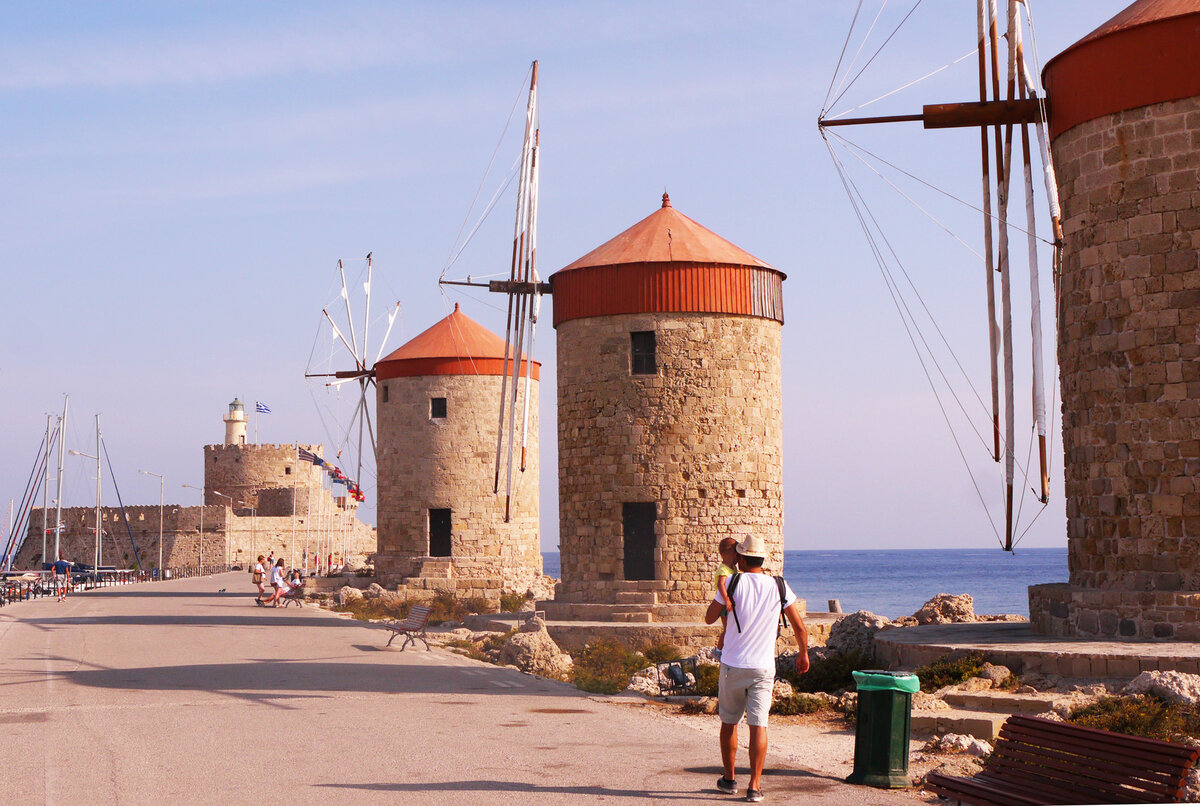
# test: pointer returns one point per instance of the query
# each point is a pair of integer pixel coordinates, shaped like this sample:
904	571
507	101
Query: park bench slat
1041	761
1113	772
413	627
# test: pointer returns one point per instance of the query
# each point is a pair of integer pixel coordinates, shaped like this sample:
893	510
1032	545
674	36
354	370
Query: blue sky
181	179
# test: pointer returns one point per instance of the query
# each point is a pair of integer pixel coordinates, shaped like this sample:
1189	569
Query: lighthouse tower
670	424
438	404
235	424
1125	128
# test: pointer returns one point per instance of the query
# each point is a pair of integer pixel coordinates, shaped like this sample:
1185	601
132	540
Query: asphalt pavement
177	692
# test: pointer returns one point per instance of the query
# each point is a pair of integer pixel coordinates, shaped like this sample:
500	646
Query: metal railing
36	584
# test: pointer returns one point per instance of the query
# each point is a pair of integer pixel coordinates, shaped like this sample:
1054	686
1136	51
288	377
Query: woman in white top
257	578
278	583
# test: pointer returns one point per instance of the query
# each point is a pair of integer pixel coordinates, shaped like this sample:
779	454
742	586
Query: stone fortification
228	538
180	529
701	439
428	462
1129	348
245	471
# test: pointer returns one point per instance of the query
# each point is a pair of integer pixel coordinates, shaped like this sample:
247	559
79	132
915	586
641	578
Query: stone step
633	617
1000	702
636	597
980	724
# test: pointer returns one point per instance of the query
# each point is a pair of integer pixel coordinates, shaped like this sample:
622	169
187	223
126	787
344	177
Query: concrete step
1000	702
636	597
980	724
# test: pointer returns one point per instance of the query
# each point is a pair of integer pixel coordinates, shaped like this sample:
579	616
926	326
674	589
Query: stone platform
1015	645
574	635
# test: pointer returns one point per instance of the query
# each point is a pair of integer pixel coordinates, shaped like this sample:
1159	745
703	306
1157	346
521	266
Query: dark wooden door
639	540
439	533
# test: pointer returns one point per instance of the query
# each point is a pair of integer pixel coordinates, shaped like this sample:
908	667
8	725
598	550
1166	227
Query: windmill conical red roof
456	345
667	263
667	236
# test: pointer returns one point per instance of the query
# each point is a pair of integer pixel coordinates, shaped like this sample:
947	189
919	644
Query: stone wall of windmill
1128	162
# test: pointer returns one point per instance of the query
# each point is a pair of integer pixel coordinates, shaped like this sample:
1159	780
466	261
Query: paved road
176	692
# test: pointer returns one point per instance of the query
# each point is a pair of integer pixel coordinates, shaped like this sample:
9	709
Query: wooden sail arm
344	373
959	115
505	286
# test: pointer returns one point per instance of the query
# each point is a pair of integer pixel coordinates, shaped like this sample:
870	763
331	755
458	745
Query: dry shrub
605	667
447	608
371	609
511	602
1144	715
829	674
797	704
949	671
661	653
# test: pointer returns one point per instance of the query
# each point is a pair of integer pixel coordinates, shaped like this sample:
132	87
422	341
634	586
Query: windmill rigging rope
516	103
934	187
847	184
837	70
921	299
877	52
902	88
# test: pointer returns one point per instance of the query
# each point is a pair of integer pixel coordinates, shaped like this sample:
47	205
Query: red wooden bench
1040	761
412	628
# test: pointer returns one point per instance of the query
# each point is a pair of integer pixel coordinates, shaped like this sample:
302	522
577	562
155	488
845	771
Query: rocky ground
824	740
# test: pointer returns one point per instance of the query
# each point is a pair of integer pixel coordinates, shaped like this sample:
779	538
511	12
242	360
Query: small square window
642	353
287	471
437	408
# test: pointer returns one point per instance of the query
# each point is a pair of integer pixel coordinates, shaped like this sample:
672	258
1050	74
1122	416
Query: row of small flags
336	476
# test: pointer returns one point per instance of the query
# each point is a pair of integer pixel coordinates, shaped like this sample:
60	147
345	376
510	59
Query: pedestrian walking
257	577
747	677
61	574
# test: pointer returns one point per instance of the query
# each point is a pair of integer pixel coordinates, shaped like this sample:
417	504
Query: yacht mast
62	441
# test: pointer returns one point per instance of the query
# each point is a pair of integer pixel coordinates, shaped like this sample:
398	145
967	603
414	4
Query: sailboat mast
989	256
1006	291
46	489
62	441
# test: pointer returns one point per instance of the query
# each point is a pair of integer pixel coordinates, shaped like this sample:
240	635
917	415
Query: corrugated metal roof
1147	54
667	236
457	345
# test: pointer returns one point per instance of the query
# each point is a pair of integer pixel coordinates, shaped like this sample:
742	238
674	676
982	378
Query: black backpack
779	583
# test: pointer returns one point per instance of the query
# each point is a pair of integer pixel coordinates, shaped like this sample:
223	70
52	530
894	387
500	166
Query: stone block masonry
701	439
1129	349
447	462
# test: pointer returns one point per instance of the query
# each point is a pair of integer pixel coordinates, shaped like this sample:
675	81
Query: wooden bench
1040	761
412	628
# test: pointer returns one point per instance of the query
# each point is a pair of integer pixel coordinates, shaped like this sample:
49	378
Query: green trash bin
882	731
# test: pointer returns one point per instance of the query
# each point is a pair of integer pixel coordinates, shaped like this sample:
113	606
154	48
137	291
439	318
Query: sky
181	179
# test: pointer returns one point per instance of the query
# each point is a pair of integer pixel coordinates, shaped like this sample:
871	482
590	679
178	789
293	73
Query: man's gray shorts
745	691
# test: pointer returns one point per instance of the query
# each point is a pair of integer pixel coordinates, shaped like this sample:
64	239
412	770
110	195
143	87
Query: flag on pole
307	456
261	408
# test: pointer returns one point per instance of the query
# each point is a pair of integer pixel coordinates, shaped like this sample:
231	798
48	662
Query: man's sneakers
754	795
726	786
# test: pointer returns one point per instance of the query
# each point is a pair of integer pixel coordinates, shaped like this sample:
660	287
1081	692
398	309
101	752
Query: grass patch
829	674
1144	715
605	667
511	602
797	704
949	671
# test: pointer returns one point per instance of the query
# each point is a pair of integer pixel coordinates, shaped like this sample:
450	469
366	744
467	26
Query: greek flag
262	408
307	456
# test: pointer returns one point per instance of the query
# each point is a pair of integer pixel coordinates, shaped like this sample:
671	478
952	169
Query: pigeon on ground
222	590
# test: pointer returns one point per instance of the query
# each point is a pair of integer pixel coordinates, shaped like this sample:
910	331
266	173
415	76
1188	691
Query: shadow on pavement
532	789
817	781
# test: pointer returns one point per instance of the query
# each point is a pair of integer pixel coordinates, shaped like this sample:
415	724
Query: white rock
947	608
1177	688
856	633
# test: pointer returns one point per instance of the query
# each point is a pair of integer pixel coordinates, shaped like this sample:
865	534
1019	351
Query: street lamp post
161	480
200	555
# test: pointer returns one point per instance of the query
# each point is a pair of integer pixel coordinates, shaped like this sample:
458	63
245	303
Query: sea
896	582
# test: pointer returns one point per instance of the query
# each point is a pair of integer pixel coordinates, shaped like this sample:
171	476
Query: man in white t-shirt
747	679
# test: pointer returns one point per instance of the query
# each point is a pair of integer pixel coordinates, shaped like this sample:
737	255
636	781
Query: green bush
949	671
511	602
370	609
1146	716
708	680
479	605
830	674
605	667
661	653
447	608
797	704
